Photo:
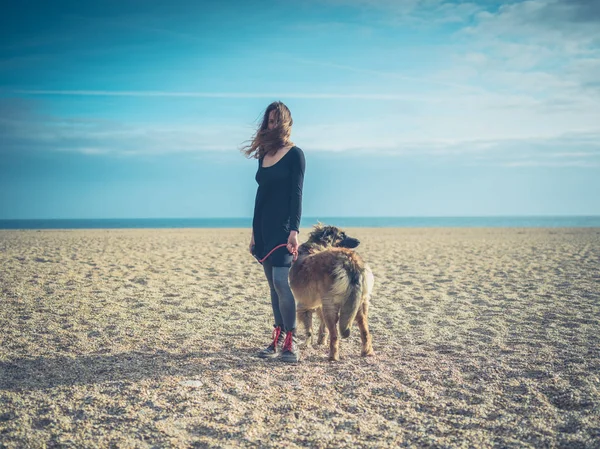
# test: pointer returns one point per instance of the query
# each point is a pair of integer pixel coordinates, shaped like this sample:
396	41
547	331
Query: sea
347	222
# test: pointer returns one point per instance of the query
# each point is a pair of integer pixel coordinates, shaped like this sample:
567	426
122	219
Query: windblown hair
266	140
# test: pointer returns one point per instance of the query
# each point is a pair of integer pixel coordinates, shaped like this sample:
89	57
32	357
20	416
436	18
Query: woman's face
272	120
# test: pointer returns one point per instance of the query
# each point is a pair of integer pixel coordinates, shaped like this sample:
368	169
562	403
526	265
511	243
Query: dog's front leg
322	327
332	317
305	317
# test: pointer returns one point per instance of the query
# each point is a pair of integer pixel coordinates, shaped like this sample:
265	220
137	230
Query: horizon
303	218
158	223
442	108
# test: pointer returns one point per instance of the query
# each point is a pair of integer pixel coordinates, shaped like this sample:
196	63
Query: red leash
295	253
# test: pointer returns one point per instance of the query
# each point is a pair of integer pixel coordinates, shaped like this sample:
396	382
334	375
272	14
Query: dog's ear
317	233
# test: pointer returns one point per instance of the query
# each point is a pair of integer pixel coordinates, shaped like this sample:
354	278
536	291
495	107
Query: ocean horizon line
544	221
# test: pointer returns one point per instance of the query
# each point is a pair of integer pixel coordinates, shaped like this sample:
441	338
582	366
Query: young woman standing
276	221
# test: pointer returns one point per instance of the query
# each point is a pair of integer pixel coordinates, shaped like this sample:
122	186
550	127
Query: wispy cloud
23	129
387	74
235	95
561	164
419	12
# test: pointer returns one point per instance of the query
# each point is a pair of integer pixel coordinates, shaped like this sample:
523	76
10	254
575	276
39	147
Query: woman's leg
274	349
287	306
287	303
274	295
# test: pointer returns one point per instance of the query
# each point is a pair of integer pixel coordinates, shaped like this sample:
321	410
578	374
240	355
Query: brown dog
331	279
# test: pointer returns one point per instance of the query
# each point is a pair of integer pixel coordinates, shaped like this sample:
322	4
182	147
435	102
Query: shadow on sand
39	373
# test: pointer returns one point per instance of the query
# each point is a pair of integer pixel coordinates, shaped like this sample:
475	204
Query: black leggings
282	299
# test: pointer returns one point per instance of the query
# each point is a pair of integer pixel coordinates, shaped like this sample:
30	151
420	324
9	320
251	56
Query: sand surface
147	338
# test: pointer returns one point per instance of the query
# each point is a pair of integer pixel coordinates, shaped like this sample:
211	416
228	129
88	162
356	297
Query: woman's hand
292	244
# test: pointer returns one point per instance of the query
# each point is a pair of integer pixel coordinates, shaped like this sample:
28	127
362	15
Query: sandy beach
147	338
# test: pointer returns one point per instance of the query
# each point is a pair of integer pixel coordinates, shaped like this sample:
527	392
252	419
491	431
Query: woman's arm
254	215
298	164
297	180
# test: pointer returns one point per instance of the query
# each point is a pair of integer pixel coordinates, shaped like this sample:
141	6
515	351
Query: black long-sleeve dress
278	206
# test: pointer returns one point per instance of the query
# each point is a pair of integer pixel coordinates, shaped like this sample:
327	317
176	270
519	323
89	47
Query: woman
276	221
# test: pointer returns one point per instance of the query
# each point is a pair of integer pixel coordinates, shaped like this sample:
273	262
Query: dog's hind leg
332	316
363	325
322	327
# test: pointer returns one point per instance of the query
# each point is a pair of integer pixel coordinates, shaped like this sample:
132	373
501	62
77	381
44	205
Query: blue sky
135	109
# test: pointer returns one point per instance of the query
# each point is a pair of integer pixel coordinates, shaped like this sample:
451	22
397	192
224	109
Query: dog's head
331	236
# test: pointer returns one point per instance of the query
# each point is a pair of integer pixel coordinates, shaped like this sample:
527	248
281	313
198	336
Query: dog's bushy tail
353	299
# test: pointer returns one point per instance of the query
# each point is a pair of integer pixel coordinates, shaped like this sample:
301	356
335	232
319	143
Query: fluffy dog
330	278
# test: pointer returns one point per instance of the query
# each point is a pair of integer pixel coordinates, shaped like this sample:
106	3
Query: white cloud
535	43
497	129
555	23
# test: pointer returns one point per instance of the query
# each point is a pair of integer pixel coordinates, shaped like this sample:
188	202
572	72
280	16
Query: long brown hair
266	140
